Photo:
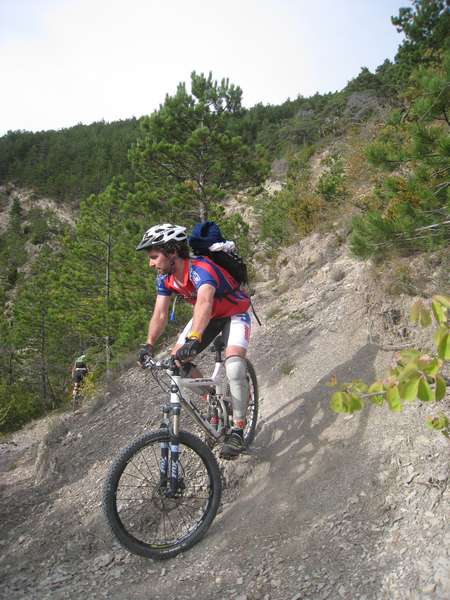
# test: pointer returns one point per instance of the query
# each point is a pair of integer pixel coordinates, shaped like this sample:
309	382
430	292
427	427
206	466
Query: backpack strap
254	312
210	266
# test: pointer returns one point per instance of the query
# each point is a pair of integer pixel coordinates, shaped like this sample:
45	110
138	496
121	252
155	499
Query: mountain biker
219	306
79	371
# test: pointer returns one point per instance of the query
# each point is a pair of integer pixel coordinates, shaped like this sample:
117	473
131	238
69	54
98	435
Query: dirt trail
324	506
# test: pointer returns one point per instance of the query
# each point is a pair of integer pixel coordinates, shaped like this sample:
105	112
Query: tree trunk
107	301
44	374
203	200
203	211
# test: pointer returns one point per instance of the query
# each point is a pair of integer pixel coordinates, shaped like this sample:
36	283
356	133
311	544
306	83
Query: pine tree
103	282
38	341
189	155
426	26
414	201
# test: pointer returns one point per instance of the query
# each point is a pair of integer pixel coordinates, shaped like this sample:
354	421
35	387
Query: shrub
331	183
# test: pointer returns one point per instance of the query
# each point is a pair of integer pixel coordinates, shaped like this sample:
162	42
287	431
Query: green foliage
12	247
36	227
32	348
416	374
41	226
70	163
92	292
364	81
274	225
293	124
413	204
103	282
426	26
17	406
295	210
190	154
331	184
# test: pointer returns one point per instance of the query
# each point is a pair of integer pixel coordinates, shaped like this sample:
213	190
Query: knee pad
236	368
186	368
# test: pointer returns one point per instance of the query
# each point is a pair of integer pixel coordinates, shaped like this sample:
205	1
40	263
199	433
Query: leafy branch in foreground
416	374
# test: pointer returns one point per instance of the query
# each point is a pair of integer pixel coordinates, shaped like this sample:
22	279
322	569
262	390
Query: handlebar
167	363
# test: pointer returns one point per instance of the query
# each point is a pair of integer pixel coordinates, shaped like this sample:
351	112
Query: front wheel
144	517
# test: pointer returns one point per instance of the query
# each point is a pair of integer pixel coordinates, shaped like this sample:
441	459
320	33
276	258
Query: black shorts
79	375
214	327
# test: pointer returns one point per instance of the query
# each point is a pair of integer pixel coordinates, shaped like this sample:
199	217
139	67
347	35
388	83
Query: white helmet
158	235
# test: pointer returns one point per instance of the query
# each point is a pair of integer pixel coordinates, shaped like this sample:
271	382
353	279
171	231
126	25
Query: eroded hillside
323	506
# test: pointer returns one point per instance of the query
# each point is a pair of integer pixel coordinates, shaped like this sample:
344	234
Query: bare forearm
155	328
201	316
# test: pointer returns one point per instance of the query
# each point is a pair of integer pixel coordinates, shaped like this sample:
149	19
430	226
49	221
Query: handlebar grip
151	363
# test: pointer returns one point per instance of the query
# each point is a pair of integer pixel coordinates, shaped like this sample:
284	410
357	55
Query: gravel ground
323	506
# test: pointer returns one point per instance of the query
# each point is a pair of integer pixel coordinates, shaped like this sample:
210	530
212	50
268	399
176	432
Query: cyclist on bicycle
79	371
219	306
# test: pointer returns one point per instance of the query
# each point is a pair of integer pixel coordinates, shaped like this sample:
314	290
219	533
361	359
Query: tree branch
446	118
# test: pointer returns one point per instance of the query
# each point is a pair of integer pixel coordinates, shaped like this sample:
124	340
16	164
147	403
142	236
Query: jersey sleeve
161	288
199	276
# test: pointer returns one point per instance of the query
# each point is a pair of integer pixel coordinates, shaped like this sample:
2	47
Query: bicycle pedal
228	457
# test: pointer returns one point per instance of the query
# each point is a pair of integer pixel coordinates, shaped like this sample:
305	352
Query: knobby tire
144	521
253	407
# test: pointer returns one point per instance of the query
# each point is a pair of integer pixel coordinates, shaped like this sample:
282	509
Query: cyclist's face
160	262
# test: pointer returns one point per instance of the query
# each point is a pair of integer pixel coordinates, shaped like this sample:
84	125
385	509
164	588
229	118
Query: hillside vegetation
371	161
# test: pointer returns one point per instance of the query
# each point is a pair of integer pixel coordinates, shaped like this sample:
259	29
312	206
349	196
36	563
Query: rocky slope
28	200
323	506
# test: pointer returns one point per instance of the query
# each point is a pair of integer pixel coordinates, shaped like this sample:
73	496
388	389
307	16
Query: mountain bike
163	490
76	396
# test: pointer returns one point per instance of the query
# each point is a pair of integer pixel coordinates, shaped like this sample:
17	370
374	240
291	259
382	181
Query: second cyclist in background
79	372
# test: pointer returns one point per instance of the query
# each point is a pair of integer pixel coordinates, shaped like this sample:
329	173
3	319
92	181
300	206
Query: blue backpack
207	234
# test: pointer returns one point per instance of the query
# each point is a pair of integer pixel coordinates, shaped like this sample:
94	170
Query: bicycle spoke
195	498
139	471
146	464
133	476
177	516
145	510
171	524
129	485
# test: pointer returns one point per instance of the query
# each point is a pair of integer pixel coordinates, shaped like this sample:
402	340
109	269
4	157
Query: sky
64	62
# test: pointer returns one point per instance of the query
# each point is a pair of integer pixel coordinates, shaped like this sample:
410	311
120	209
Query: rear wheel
144	518
76	397
253	405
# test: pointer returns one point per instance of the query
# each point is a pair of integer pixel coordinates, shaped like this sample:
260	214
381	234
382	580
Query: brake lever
149	363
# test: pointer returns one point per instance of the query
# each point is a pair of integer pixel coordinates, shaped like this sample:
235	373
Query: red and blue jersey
228	298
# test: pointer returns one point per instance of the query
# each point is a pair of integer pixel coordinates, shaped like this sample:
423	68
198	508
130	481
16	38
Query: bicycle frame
169	467
197	385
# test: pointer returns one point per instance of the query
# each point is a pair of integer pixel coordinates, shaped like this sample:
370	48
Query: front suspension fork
169	461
